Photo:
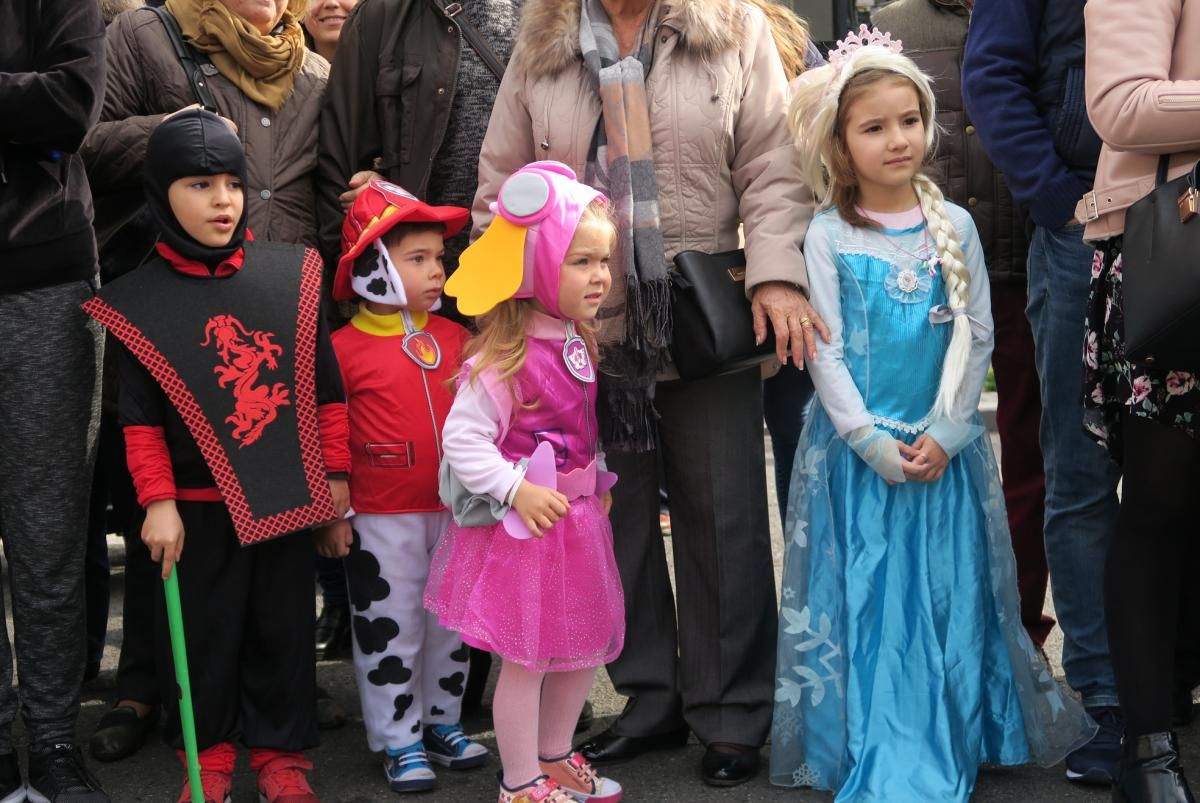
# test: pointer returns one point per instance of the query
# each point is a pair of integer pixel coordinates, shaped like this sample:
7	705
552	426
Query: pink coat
1143	98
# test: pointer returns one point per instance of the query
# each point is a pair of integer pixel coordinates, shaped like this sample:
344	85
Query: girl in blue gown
903	665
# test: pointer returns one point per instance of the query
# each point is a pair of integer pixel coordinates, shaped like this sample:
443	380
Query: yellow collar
385	325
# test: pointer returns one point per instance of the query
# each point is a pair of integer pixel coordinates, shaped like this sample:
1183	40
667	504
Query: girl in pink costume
527	570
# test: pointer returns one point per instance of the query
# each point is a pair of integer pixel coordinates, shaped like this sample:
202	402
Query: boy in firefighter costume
397	361
234	419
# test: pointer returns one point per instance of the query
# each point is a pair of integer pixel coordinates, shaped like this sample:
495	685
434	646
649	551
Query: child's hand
538	506
163	533
925	460
606	502
334	540
341	496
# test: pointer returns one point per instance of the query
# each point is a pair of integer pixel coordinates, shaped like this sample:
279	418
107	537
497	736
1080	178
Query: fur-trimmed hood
549	38
109	9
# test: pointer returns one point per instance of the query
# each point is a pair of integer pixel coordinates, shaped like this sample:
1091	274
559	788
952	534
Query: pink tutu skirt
550	604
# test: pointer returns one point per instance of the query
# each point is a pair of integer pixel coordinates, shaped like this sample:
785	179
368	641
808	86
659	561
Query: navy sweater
1023	88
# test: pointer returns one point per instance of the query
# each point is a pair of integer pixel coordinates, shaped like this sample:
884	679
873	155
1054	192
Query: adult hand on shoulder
358	183
232	125
538	506
792	318
334	540
925	460
162	532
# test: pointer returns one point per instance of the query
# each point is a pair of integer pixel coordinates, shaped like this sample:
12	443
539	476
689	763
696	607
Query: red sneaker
284	779
217	787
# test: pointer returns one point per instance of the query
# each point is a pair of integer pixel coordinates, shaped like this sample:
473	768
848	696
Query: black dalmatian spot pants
410	669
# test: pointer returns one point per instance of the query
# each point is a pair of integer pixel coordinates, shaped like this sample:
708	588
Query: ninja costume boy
234	418
397	360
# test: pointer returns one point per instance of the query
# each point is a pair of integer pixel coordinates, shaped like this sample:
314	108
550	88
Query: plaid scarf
635	321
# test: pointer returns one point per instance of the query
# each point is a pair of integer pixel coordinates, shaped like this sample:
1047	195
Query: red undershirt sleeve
334	423
149	463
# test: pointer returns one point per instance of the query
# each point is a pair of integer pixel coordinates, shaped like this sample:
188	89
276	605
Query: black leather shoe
610	748
332	632
1151	772
729	764
121	733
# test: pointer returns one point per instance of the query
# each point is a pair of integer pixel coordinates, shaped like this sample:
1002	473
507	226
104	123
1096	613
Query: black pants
95	561
248	613
785	404
138	669
714	667
49	408
1150	568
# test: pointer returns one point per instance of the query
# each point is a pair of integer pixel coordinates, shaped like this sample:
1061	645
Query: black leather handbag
713	329
1161	273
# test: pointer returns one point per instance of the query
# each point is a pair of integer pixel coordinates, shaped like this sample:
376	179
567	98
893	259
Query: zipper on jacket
1184	100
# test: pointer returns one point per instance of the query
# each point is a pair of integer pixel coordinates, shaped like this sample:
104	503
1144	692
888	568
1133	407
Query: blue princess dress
903	665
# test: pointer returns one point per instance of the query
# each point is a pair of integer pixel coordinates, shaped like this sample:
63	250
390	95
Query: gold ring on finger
805	321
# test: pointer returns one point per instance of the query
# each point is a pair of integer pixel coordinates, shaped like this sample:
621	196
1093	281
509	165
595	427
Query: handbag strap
454	13
195	65
1164	163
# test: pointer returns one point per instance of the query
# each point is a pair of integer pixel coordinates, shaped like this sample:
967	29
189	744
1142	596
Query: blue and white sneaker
408	770
448	746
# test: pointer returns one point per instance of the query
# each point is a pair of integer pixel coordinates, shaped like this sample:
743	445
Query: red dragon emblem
245	354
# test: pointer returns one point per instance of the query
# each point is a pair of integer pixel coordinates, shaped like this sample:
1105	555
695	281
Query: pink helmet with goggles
521	253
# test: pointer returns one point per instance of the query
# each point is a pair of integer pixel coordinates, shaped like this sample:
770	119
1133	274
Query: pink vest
564	414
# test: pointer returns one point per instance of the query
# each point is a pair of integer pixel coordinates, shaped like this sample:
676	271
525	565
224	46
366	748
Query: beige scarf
263	67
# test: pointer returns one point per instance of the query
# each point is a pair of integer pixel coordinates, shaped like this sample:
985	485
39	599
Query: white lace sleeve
835	387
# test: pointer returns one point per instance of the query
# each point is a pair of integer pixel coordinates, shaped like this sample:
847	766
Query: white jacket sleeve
469	438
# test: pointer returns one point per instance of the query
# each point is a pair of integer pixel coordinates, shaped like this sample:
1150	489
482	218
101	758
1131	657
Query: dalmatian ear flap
382	284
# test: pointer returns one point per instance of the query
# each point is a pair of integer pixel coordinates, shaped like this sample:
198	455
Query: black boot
1151	771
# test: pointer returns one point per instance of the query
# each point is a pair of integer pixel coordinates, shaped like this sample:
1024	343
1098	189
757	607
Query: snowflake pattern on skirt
1113	384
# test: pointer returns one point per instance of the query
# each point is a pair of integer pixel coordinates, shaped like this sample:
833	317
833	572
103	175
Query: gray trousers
715	670
50	353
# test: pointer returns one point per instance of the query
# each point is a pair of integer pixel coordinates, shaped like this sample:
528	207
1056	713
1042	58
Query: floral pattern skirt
1112	384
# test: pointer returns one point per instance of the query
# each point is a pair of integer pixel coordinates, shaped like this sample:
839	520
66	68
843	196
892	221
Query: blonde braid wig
814	116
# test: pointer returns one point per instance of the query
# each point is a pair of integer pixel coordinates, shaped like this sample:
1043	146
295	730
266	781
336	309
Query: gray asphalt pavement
346	772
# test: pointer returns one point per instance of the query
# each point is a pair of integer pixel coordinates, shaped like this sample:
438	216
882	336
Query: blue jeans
1081	480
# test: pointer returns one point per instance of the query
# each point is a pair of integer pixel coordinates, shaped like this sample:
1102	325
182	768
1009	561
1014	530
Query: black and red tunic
230	389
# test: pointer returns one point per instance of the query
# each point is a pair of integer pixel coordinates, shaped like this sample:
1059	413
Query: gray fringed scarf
635	321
